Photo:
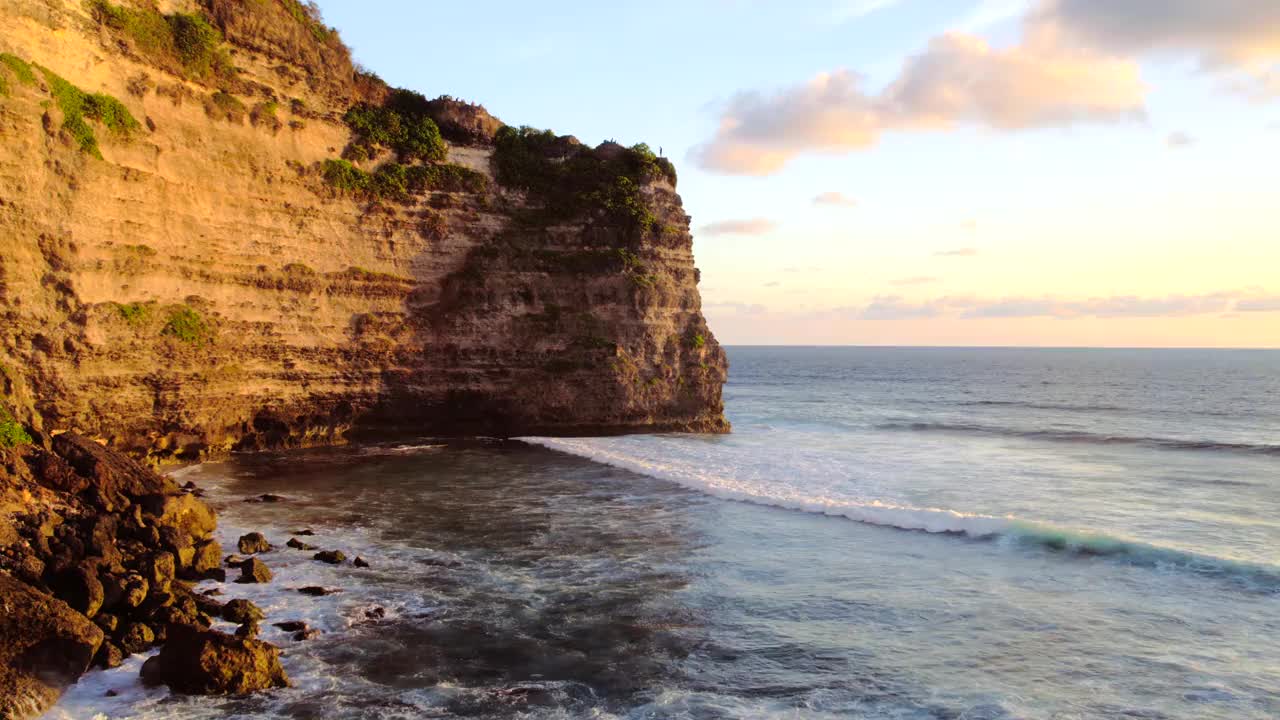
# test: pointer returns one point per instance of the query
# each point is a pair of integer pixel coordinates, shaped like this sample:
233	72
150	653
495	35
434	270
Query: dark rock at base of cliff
297	544
208	662
253	543
266	498
308	634
305	533
360	562
291	625
254	570
333	557
317	591
44	646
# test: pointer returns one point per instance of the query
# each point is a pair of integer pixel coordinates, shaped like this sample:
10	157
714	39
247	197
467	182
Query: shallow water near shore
889	561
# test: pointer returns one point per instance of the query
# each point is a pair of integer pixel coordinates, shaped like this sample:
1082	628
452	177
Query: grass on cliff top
571	180
20	69
186	43
77	106
186	325
134	313
393	181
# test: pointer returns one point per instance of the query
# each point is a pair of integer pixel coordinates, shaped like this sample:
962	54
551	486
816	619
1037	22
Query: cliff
216	234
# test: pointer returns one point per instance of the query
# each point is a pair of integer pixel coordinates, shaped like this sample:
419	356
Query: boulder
208	662
109	656
316	591
308	634
254	570
333	557
253	543
248	629
44	646
137	637
297	544
80	588
161	569
360	562
208	557
241	611
291	625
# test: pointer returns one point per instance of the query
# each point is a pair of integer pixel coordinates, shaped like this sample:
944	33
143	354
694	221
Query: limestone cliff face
202	286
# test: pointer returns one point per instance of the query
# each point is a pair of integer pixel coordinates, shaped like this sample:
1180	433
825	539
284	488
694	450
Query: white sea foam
773	483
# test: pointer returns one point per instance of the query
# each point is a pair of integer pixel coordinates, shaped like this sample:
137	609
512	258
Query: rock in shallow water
333	557
44	646
297	544
253	543
316	591
254	570
208	662
241	611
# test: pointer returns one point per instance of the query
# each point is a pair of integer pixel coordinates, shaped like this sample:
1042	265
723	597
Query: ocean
960	534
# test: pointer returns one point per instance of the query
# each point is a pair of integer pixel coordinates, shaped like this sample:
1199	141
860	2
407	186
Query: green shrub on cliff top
77	105
134	313
187	326
571	180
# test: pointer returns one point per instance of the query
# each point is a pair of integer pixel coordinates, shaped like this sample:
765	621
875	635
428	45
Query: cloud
1179	140
1234	36
740	308
969	225
917	280
1259	304
959	80
773	284
1116	306
835	199
957	252
753	226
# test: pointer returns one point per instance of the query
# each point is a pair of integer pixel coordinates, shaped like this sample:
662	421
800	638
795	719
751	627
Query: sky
913	172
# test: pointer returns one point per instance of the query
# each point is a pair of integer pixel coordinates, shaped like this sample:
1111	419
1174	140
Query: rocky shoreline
98	560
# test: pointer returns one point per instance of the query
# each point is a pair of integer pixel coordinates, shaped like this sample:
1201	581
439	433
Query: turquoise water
888	533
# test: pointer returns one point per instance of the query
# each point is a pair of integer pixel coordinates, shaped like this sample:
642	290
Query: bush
76	105
12	434
185	42
402	124
222	105
134	313
187	326
308	15
394	181
570	180
263	114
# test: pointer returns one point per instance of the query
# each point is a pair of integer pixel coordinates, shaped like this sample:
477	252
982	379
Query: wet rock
111	693
189	485
208	662
241	611
316	591
248	629
360	562
109	656
253	543
234	561
254	570
333	557
136	589
308	634
305	533
186	513
137	637
297	544
376	613
80	588
266	498
44	646
291	625
216	574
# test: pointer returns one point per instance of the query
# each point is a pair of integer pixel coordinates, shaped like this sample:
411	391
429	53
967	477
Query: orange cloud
754	226
835	199
958	80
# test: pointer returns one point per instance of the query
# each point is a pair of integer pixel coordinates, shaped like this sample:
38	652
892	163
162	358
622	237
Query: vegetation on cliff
20	69
393	181
402	124
571	180
183	43
77	106
12	434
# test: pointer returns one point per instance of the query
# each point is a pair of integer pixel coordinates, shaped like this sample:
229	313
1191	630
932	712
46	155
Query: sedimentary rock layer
197	283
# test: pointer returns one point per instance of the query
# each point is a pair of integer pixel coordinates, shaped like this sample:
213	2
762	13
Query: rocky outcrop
208	662
93	551
44	646
187	268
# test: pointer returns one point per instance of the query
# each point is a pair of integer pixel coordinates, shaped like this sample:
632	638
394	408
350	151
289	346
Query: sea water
888	533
